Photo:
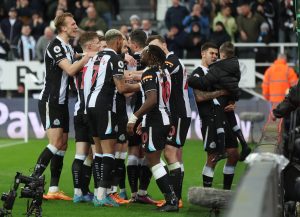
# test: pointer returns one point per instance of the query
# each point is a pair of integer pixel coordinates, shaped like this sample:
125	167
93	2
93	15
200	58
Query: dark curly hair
153	56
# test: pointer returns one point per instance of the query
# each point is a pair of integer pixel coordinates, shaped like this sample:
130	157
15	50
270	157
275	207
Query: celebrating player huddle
139	100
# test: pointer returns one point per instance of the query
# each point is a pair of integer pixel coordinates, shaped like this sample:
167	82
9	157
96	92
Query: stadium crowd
27	25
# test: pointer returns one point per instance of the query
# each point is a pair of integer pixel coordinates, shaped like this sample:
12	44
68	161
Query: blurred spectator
266	9
176	39
43	42
26	45
11	26
197	17
124	30
248	26
92	22
135	22
231	3
225	17
153	5
278	78
147	27
24	11
207	8
57	13
116	9
287	18
264	54
103	8
4	47
80	9
175	14
248	23
194	42
37	25
220	35
54	6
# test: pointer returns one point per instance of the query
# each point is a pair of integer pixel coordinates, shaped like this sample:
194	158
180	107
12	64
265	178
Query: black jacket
223	74
289	104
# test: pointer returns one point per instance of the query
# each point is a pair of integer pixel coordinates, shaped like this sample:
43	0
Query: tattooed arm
201	96
124	87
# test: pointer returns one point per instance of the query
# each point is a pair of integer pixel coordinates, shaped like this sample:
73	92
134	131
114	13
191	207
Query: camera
33	190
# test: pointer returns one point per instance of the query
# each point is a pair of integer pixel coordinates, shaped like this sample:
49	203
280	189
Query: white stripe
185	92
109	155
174	166
109	125
208	171
151	145
228	169
158	171
236	128
47	116
220	130
206	135
178	132
99	80
11	144
80	157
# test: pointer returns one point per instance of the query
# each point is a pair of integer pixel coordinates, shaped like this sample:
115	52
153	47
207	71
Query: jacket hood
230	65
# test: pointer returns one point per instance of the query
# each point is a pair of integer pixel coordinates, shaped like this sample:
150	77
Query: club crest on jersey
213	145
56	122
121	64
122	137
56	49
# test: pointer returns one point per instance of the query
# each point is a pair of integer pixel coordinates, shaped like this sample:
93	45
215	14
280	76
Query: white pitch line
11	144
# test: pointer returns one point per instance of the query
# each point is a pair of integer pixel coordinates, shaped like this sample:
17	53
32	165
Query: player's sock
181	179
162	180
56	167
164	165
175	177
117	173
122	171
145	175
44	159
228	172
106	169
97	169
77	171
132	172
86	175
207	176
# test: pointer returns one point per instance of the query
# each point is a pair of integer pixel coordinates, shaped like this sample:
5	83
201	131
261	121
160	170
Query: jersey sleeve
57	52
172	66
149	81
117	66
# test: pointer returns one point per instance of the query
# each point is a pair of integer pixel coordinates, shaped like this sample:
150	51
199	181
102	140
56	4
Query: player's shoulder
199	70
172	60
149	73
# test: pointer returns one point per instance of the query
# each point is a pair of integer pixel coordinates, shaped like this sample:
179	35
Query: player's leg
229	167
86	176
122	186
246	150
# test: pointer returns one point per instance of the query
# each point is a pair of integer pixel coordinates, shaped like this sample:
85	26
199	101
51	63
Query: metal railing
259	193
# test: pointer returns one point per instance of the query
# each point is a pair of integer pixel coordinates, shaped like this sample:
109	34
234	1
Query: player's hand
273	116
230	107
139	129
130	60
130	129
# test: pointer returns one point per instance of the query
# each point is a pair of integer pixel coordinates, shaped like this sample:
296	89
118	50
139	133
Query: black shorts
209	134
121	129
154	138
102	123
178	131
82	130
54	115
136	139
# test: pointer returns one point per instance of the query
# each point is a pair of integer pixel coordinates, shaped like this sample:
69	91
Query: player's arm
201	96
133	75
124	87
196	81
72	69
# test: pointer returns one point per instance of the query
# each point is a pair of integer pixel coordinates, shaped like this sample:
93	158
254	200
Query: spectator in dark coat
11	26
176	40
194	42
219	36
37	25
175	14
24	11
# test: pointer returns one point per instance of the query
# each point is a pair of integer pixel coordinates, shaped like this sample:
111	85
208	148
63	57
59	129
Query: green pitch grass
22	157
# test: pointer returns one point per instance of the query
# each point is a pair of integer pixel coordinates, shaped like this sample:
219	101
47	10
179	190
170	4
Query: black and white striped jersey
82	82
179	100
154	80
56	81
106	65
